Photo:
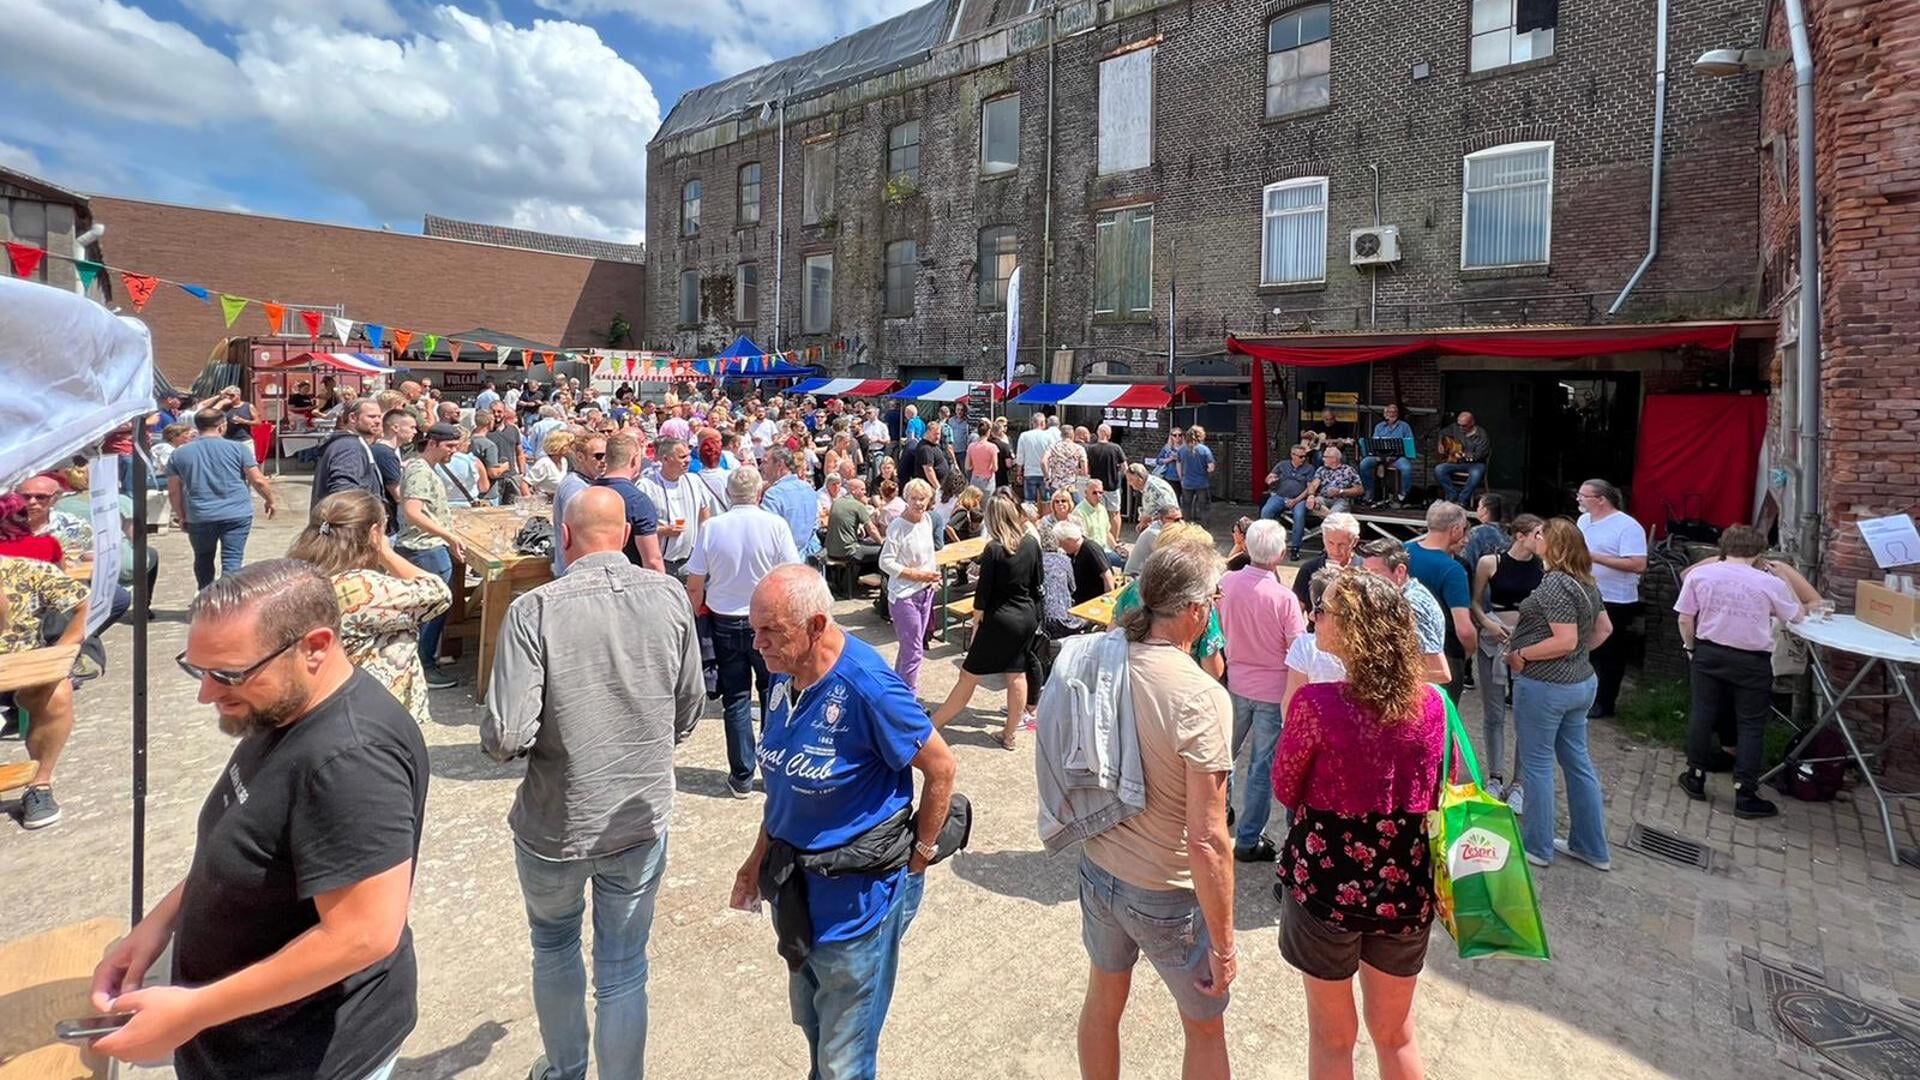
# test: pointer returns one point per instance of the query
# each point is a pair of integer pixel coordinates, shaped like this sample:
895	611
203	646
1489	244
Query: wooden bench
44	979
959	613
18	671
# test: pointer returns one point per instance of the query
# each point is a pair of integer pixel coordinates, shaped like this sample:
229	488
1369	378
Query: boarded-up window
903	262
816	184
1123	263
1126	112
746	293
689	298
816	302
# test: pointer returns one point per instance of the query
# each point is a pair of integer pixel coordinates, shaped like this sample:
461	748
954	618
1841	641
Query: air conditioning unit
1374	245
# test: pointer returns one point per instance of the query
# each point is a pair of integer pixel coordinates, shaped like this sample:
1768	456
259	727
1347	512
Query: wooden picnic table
44	979
954	557
486	533
1100	608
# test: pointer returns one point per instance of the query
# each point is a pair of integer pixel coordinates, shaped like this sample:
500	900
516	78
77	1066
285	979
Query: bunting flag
232	306
629	366
506	354
89	272
140	287
401	339
312	320
549	365
430	343
276	316
487	345
453	349
374	333
198	292
342	328
548	357
25	259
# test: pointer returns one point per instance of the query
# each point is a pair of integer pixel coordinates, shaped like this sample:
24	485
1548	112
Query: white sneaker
1516	798
1537	860
1495	788
1561	846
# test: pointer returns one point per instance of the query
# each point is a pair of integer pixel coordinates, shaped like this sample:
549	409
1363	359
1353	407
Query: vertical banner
1013	324
104	497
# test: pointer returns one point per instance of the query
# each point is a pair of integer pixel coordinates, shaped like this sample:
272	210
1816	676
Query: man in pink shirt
1727	607
1260	618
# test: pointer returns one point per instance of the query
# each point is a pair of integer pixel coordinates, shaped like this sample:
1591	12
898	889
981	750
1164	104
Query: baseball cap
443	433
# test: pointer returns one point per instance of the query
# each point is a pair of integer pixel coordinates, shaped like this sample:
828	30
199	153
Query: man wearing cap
425	539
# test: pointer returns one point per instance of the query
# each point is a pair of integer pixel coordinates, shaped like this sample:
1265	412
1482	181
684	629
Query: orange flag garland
401	339
276	315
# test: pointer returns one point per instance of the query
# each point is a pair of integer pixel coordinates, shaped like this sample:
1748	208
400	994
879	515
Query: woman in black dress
1006	615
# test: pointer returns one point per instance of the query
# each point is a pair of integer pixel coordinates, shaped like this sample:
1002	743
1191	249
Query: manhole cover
1849	1034
1669	847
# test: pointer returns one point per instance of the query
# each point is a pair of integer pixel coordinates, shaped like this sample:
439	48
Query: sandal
1007	742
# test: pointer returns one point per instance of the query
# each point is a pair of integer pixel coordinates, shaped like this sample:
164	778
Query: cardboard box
1894	612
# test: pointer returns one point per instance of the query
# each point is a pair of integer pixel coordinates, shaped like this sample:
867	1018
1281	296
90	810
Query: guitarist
1463	451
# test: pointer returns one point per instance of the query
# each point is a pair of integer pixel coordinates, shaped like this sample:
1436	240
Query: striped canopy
363	363
1117	395
844	387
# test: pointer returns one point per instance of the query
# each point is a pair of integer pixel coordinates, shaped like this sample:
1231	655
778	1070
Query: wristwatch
925	850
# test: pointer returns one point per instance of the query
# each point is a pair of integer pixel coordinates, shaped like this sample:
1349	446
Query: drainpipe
1807	354
1046	227
780	227
1373	272
1659	155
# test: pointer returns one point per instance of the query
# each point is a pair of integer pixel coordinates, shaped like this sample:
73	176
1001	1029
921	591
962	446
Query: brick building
566	295
43	215
1112	148
1867	131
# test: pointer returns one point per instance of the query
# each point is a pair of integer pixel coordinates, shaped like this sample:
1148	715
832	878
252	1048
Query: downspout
1046	226
1659	159
1807	353
780	228
1373	272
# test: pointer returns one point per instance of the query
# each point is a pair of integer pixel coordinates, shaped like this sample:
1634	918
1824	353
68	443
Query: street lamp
1723	62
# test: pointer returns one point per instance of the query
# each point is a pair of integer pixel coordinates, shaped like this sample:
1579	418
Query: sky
529	113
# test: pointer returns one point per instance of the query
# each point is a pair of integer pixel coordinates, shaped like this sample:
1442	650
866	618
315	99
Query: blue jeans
231	538
840	996
1275	509
738	668
624	889
1400	465
1444	476
1550	720
1034	487
437	561
1261	721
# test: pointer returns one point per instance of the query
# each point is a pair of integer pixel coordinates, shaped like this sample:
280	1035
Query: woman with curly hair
1359	763
383	597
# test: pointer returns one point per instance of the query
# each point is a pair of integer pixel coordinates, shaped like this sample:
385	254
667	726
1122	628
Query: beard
274	714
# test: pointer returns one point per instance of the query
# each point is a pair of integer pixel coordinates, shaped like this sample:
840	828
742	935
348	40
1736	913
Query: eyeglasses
601	456
233	678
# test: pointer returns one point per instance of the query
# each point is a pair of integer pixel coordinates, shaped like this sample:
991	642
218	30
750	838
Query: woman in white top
544	475
1306	662
1618	546
906	557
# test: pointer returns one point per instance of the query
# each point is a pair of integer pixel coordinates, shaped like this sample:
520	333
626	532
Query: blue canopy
742	346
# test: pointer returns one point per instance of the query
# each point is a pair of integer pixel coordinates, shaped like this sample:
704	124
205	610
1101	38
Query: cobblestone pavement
1653	973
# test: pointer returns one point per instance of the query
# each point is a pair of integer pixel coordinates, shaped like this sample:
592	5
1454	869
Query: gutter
1659	159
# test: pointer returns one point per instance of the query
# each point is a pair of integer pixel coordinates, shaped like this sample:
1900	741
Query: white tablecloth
1849	634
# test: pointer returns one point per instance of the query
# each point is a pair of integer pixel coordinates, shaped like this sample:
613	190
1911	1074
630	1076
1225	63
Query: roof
50	191
502	236
898	42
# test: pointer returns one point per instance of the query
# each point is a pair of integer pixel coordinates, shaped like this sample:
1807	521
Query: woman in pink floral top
1359	763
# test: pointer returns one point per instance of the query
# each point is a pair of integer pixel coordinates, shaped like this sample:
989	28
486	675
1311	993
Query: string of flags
658	366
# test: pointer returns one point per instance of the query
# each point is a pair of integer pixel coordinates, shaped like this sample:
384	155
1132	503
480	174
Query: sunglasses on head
233	678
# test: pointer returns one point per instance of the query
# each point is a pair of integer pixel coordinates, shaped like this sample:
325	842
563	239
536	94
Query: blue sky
532	113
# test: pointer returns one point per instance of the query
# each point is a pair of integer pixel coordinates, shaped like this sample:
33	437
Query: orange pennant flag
453	349
401	339
487	345
140	287
276	315
548	357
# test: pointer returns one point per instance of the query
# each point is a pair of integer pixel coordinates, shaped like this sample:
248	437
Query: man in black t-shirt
291	954
931	462
1092	574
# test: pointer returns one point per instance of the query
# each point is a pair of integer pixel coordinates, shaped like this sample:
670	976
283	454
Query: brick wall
424	284
1868	176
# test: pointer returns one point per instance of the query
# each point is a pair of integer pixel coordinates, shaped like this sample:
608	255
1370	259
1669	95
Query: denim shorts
1119	921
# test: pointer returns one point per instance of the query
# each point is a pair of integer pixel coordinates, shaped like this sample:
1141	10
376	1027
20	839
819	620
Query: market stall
274	380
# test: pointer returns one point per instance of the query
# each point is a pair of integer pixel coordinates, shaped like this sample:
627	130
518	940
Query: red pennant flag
140	287
276	316
629	365
401	339
453	350
25	259
487	345
312	319
548	357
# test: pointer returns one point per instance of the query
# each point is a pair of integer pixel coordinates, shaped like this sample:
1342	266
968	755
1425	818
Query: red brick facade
421	283
1867	105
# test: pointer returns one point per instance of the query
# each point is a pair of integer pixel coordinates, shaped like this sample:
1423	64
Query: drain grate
1670	847
1862	1040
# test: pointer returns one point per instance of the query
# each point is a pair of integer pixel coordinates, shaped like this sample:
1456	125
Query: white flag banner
342	328
1013	323
505	354
103	498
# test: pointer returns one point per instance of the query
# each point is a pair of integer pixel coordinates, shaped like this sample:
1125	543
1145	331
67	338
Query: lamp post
1724	62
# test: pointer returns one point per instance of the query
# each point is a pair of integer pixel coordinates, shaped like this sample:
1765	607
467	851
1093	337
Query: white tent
70	372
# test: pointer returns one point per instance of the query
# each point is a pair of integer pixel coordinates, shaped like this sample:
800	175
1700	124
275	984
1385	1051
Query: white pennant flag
505	354
342	329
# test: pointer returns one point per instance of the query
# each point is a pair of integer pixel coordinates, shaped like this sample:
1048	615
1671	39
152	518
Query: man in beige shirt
1161	881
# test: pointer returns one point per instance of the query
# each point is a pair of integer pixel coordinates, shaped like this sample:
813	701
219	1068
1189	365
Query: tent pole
141	607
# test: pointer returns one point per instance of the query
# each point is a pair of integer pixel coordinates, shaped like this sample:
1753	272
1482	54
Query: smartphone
88	1028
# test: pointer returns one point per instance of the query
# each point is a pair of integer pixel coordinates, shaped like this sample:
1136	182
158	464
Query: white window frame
1513	19
690	223
1109	219
1282	185
1466	172
987	168
741	313
809	324
919	134
1116	155
739	192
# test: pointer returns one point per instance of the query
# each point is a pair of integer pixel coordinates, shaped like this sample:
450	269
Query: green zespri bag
1482	887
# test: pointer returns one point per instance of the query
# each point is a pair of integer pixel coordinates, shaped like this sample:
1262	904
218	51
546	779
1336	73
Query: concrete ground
1655	972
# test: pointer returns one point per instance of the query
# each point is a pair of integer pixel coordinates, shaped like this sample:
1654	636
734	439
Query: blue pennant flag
197	292
374	332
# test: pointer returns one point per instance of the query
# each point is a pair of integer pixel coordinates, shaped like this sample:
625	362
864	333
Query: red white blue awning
948	390
844	387
363	363
1111	395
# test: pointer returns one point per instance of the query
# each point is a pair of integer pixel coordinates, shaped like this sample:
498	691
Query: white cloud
120	60
746	33
368	14
730	56
20	159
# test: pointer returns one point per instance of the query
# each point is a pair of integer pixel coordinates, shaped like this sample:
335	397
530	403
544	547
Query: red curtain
1698	454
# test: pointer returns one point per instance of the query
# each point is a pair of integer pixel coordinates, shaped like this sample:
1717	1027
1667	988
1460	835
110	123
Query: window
999	254
1293	233
1126	112
690	209
750	194
27	221
1507	218
1000	134
903	152
746	293
1299	55
903	263
1511	32
1123	263
689	298
816	184
816	302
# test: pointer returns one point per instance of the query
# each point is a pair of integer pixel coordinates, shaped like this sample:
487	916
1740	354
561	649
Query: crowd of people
1234	715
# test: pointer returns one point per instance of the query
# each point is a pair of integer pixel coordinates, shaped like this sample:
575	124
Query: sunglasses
233	678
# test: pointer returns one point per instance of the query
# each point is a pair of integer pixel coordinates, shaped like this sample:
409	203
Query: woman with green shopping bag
1359	763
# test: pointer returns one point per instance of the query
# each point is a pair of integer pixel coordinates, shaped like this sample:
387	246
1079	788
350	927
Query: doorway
1551	430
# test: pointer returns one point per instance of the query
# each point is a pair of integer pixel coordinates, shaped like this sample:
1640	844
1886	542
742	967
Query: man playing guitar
1463	451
